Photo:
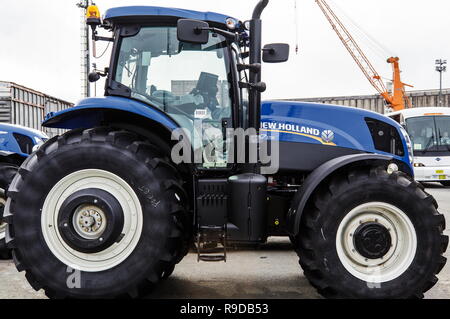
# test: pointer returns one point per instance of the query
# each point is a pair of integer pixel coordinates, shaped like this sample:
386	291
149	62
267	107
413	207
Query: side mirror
93	77
276	53
193	31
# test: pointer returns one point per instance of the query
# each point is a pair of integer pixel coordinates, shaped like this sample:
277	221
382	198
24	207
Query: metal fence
24	106
427	98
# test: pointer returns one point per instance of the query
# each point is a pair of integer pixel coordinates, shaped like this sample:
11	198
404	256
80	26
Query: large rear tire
97	214
368	234
7	173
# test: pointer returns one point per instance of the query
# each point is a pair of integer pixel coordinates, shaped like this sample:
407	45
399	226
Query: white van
429	129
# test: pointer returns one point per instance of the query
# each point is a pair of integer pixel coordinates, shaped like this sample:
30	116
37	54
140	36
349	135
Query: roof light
93	16
231	23
428	114
93	12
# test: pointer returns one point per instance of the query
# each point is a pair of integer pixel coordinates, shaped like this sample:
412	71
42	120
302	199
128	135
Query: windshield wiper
426	150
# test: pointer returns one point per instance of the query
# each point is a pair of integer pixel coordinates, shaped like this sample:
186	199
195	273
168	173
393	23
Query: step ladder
212	244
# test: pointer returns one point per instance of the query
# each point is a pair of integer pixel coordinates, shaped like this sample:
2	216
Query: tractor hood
330	125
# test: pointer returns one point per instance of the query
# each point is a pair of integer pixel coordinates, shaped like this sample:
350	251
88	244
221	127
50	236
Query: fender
91	112
315	179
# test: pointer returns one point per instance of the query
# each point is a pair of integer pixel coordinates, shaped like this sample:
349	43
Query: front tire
7	173
368	234
96	214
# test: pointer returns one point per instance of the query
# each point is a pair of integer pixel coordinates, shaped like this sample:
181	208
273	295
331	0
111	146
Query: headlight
419	165
409	145
392	168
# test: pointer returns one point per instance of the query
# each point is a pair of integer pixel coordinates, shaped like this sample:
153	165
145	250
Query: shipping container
24	106
427	98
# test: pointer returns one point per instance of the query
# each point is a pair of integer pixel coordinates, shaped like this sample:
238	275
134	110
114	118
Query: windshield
188	80
429	133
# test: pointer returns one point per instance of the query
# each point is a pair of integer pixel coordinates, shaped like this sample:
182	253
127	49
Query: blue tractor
16	144
109	208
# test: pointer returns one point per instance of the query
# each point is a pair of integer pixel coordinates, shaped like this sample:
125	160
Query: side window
25	143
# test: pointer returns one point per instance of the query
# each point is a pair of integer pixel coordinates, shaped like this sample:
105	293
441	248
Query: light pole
441	66
85	50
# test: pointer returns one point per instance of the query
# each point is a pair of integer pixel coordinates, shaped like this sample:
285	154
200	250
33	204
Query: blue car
16	144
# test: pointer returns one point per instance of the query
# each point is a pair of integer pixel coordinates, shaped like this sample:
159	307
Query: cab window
25	143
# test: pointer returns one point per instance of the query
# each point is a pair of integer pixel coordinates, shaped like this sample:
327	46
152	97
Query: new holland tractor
16	144
108	209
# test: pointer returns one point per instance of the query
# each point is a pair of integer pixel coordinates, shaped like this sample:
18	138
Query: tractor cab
188	65
190	83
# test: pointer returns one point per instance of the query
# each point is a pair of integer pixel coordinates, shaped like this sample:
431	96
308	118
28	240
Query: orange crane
398	100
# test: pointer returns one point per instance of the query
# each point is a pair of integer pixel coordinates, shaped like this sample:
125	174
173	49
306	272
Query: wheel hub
372	240
91	220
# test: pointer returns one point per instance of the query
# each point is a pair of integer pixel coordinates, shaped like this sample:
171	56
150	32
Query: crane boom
398	100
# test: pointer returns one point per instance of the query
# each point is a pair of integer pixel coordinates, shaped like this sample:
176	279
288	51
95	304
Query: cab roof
140	11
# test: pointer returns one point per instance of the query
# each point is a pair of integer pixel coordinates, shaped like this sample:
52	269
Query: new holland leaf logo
327	136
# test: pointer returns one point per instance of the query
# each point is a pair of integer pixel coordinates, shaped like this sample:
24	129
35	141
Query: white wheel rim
132	213
2	224
403	239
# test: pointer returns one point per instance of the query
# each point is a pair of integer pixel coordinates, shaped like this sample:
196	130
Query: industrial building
376	103
27	107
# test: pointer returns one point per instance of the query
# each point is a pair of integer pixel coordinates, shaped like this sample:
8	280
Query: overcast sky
40	43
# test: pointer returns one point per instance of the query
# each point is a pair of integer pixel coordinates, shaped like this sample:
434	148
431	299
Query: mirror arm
226	34
256	67
258	87
95	37
103	73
